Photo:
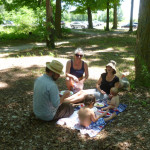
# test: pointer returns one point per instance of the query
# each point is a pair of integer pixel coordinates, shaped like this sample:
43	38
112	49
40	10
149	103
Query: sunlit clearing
102	135
95	45
4	55
95	72
126	144
125	73
89	53
130	58
12	105
3	85
41	44
20	75
141	137
29	92
105	50
65	42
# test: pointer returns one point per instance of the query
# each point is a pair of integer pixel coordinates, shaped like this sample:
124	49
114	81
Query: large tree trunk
115	17
142	53
90	18
131	16
58	19
107	21
49	25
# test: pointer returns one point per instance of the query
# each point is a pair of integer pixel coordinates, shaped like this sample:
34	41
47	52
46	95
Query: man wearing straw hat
47	104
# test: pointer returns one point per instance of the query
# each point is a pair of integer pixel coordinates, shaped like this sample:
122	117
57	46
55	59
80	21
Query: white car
96	23
8	23
78	24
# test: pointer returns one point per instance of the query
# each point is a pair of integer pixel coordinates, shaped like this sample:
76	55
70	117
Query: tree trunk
90	18
142	53
131	16
115	17
107	21
49	25
58	19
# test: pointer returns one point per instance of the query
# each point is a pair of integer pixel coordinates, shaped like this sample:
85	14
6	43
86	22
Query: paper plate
94	109
99	104
62	92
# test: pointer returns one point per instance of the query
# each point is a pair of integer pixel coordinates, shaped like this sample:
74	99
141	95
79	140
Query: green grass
100	47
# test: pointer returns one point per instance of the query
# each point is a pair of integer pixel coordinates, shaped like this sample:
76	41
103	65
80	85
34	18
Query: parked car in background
86	22
8	23
135	23
96	23
128	25
78	24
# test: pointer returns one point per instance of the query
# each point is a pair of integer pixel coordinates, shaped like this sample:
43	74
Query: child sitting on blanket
86	114
112	104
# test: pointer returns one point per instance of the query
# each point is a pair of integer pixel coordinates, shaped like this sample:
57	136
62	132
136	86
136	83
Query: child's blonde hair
114	91
89	99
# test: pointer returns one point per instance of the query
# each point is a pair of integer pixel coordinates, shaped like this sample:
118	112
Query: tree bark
142	52
58	19
131	16
107	21
115	17
49	25
90	18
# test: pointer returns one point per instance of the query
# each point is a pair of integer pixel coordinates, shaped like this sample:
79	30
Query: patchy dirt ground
20	130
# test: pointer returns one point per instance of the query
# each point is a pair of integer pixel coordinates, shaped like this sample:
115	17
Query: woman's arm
65	95
98	86
117	84
86	71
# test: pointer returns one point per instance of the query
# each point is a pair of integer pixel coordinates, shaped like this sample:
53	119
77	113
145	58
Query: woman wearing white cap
106	81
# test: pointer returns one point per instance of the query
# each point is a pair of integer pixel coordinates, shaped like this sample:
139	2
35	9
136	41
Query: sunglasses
78	55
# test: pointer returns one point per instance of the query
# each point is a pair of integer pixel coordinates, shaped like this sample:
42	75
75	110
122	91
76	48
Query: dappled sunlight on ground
3	85
4	55
24	62
95	72
129	58
124	144
129	130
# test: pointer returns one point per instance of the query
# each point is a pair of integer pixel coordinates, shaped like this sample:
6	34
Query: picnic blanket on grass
94	128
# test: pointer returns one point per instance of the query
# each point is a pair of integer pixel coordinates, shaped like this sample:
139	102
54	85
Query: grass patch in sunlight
99	50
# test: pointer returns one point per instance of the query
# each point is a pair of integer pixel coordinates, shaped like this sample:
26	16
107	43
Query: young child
112	104
86	114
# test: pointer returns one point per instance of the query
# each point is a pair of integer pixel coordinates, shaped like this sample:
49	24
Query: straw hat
55	66
112	64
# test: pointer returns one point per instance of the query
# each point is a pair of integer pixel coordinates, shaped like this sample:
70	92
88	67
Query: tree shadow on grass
94	46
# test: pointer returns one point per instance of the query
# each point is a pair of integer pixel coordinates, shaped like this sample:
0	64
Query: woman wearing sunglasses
75	69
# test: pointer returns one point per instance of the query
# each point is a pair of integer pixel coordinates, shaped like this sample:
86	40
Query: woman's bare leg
75	98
